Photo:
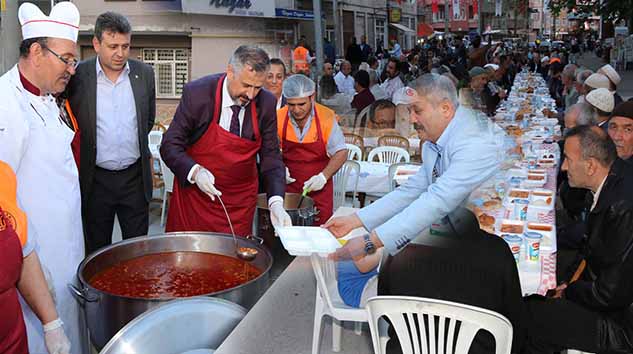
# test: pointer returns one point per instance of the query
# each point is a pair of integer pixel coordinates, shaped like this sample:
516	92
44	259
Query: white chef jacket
36	144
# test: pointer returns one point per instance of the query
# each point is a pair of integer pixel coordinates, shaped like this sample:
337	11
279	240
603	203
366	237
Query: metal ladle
245	253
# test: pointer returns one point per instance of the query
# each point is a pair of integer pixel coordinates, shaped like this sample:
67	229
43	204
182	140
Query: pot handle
259	240
79	295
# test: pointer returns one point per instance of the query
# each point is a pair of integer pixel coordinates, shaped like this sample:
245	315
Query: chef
222	122
35	141
312	143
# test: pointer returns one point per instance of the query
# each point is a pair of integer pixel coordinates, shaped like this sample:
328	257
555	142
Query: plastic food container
508	226
533	245
514	242
306	240
520	209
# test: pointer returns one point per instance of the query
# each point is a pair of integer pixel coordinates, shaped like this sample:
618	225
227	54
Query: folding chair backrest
389	154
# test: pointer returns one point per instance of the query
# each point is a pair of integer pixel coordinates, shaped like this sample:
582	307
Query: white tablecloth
373	179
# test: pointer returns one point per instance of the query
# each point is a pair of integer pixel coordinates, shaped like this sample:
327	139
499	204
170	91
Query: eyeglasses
69	62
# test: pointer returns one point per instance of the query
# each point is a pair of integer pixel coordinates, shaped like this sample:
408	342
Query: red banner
475	7
434	7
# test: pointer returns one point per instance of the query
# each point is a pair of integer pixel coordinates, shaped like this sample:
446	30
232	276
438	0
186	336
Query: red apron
305	160
12	329
232	161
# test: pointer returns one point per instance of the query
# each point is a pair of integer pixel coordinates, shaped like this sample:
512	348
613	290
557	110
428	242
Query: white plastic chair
155	137
401	310
574	351
389	154
168	179
354	152
328	302
392	172
341	180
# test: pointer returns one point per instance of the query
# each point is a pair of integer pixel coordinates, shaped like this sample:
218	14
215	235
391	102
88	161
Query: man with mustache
222	122
35	142
621	130
114	100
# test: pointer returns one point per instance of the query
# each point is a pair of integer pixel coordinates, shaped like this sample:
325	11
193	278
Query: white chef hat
404	95
63	21
298	86
597	81
602	99
608	71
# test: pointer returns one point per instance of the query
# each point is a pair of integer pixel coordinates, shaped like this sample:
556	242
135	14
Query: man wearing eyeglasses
114	100
35	142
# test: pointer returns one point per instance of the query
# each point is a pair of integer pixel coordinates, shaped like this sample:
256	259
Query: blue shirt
468	156
351	282
117	127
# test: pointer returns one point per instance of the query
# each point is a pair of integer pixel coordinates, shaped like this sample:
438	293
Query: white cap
63	21
545	59
298	86
404	95
494	67
596	81
602	99
608	71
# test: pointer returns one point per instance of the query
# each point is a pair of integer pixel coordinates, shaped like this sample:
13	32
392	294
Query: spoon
245	253
303	195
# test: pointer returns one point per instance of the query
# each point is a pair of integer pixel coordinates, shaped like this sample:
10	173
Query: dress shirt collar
596	195
227	100
126	70
446	134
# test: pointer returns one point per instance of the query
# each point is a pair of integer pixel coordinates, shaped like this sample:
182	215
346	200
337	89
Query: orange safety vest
326	116
300	60
14	217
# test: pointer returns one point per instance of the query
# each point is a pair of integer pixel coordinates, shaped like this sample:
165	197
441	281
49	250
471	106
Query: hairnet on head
298	86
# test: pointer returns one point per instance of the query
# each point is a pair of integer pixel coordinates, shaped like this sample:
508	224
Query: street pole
10	36
337	28
318	39
446	2
480	20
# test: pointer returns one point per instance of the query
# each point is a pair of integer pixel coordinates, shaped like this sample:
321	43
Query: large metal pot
304	216
106	313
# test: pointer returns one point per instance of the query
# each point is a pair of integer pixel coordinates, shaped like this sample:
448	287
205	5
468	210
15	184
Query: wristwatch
370	248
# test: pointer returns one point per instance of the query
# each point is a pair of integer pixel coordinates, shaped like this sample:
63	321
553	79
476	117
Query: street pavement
625	89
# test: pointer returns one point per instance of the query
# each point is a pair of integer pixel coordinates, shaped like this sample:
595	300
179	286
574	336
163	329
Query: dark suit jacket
193	117
82	94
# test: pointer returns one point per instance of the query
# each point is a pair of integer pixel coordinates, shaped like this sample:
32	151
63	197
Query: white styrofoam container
306	240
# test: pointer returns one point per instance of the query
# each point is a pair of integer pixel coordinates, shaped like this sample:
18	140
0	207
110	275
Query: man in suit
222	122
114	100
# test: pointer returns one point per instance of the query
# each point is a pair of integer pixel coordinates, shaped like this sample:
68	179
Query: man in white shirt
393	82
344	80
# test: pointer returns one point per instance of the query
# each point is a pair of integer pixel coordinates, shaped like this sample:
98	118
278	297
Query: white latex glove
205	181
315	183
55	338
289	179
278	215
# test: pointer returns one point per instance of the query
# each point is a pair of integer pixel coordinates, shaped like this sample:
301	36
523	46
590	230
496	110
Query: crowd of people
262	127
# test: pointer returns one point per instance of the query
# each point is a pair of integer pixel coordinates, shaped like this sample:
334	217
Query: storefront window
171	70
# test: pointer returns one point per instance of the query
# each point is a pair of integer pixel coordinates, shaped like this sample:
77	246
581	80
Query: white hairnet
298	86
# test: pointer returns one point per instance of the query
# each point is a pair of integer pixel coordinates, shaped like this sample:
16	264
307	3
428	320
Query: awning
424	30
401	28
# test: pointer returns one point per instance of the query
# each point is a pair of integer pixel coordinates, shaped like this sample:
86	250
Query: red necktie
235	120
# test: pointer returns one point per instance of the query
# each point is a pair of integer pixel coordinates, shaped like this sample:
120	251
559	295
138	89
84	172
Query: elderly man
591	309
594	81
393	82
275	80
222	122
35	142
579	85
312	143
621	130
602	102
459	155
568	77
614	79
344	80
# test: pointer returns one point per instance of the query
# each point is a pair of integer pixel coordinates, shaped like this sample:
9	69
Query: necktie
235	120
437	170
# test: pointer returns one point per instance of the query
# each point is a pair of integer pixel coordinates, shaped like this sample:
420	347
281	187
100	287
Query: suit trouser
117	193
558	324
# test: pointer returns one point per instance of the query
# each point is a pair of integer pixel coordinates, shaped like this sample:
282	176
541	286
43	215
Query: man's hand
205	181
343	225
315	183
278	215
55	338
558	292
289	180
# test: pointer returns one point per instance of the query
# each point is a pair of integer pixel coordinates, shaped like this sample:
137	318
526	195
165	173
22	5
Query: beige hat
602	99
608	71
598	81
63	21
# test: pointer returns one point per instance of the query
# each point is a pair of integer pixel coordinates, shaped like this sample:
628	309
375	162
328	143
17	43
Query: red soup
174	274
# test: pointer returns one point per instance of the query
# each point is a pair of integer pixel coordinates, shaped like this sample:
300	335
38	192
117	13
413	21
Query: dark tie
437	170
235	120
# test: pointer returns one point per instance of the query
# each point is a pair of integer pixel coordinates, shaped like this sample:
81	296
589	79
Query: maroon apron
12	329
232	161
305	160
